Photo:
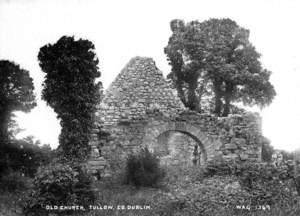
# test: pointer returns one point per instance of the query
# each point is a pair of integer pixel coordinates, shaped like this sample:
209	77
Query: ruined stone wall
241	136
297	163
139	86
235	137
140	107
179	149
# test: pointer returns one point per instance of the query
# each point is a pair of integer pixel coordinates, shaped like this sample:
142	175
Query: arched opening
177	147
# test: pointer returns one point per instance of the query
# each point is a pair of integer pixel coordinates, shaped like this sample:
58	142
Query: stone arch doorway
197	143
179	147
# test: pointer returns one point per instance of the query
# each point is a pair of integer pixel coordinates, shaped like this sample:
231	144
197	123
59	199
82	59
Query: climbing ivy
70	88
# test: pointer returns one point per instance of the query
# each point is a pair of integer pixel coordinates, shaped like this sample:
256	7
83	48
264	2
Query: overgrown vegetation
212	59
267	150
267	183
70	88
14	181
215	61
187	191
59	184
143	169
25	156
16	94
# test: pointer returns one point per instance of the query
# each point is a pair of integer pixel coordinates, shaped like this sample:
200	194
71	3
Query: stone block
232	156
95	162
180	126
233	188
239	141
93	143
244	157
230	146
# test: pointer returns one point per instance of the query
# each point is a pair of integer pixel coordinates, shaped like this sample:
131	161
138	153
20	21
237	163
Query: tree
26	155
267	150
218	54
71	90
16	94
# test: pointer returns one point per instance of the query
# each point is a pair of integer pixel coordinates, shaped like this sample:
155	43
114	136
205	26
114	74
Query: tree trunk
218	96
4	139
227	98
201	91
4	119
193	101
181	92
226	107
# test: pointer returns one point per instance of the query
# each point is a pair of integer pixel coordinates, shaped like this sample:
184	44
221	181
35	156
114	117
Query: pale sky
122	29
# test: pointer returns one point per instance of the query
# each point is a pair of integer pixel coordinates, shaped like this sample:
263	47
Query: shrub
297	184
266	183
83	189
267	150
219	167
143	169
14	181
24	156
59	184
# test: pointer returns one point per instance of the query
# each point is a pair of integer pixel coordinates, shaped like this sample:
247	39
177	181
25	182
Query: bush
297	183
24	156
14	181
266	183
143	169
219	167
267	150
59	184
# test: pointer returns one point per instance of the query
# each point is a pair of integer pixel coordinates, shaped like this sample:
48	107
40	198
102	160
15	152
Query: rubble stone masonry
140	108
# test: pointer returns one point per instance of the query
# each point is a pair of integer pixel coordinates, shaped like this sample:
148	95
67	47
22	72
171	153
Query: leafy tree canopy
215	58
25	155
71	67
16	94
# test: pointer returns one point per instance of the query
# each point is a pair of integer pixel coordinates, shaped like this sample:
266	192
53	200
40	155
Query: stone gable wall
139	86
140	106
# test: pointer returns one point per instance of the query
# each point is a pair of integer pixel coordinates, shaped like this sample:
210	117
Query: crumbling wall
178	149
237	137
139	86
140	106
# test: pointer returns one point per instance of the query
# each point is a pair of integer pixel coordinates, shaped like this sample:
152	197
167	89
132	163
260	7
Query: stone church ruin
140	108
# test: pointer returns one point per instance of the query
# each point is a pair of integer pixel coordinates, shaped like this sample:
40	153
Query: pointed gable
140	86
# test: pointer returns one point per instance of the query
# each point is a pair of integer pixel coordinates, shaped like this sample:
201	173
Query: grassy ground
184	192
10	203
